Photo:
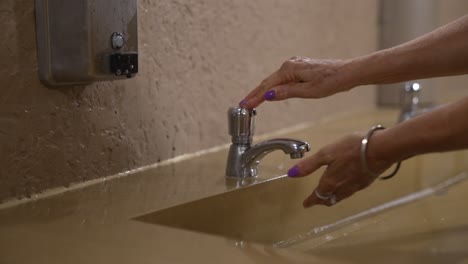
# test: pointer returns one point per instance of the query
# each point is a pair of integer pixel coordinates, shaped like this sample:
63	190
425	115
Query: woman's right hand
301	77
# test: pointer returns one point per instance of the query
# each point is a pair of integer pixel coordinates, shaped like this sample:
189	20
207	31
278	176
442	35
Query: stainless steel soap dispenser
85	41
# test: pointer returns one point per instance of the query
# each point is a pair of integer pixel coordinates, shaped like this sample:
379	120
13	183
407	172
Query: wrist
381	151
376	68
360	71
350	75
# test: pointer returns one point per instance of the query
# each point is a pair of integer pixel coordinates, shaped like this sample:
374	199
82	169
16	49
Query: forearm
442	52
443	129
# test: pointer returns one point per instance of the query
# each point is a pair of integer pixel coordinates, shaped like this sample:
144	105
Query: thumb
307	166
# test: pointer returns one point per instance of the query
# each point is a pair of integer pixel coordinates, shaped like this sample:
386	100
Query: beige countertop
92	223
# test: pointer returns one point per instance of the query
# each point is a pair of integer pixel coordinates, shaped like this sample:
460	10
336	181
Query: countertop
92	223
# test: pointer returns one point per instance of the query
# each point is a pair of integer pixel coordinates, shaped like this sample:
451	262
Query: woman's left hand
344	175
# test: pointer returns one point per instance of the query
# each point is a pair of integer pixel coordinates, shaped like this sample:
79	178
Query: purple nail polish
293	172
269	95
243	103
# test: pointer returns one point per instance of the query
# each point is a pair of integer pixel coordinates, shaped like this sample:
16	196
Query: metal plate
74	38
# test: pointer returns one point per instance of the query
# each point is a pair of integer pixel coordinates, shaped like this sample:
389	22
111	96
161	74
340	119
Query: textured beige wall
197	59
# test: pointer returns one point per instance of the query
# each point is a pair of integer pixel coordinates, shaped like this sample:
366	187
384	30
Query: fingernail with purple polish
293	172
269	95
242	103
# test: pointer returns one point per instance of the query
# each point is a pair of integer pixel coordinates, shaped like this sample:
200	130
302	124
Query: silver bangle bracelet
365	166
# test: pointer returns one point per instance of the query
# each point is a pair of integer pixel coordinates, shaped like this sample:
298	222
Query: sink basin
271	211
262	213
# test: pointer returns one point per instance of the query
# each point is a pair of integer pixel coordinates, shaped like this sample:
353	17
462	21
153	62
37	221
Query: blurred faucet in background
401	21
411	105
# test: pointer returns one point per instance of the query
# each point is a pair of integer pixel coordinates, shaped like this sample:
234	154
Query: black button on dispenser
124	63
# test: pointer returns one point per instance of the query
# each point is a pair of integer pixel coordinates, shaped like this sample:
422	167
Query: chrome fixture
243	158
411	101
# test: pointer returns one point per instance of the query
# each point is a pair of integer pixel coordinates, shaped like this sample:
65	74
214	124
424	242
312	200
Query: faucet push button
241	124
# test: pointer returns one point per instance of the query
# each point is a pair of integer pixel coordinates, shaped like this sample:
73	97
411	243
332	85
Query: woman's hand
302	77
344	175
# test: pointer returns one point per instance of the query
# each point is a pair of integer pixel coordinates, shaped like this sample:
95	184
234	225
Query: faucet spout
252	157
294	148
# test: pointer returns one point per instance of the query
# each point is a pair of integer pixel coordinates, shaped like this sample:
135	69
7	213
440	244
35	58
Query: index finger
255	97
308	165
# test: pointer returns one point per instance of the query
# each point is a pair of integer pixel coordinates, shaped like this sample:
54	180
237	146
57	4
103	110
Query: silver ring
330	198
322	197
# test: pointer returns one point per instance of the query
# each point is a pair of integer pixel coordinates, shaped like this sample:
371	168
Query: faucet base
234	168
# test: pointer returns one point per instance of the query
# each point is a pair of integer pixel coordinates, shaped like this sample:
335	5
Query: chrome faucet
243	158
411	101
